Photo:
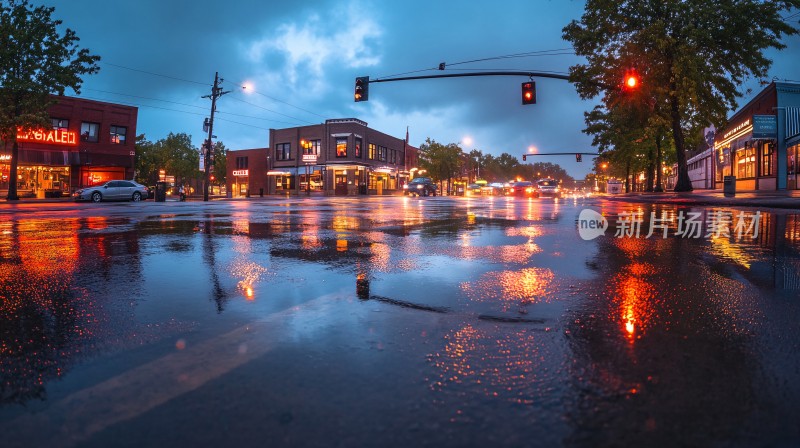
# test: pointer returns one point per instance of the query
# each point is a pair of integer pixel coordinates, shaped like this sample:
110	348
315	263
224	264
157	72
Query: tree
693	55
443	162
220	168
36	61
148	161
183	159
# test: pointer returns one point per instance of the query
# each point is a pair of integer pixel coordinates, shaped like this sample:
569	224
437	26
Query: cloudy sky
299	60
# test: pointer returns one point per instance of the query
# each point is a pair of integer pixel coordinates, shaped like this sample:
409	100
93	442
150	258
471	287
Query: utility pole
216	92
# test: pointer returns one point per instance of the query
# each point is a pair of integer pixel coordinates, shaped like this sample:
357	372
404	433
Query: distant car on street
522	189
548	188
420	186
113	190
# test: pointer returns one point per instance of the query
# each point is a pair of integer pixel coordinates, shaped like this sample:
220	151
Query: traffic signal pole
216	92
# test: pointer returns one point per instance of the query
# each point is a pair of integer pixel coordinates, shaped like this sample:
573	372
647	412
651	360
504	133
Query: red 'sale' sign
51	136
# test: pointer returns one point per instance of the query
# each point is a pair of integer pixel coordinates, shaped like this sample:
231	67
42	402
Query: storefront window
90	132
60	124
767	153
118	134
312	147
283	151
33	178
791	156
745	163
341	146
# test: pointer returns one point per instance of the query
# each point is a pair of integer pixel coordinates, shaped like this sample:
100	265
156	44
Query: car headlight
419	187
405	187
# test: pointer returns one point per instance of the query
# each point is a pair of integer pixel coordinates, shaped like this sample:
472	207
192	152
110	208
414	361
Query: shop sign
241	172
52	136
5	157
309	158
736	129
765	126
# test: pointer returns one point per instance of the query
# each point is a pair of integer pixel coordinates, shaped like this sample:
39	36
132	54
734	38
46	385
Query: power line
154	74
270	110
190	105
275	99
146	98
181	111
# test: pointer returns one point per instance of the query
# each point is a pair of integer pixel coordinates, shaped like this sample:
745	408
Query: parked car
523	189
114	190
420	186
548	188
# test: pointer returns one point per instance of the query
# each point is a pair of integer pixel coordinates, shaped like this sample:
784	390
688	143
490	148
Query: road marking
79	416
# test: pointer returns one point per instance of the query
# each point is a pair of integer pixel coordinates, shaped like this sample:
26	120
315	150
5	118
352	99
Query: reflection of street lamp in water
306	147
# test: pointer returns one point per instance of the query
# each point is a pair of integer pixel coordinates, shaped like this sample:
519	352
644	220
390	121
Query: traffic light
524	157
631	80
362	89
578	157
528	92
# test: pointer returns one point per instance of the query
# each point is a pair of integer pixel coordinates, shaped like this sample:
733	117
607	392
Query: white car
113	190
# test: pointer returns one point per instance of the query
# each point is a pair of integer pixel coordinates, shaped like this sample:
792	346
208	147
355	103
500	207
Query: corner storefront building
342	157
761	143
90	142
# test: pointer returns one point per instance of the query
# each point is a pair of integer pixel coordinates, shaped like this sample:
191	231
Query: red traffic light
578	157
362	89
631	80
528	92
524	157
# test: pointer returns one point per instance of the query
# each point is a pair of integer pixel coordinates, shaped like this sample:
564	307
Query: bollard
362	286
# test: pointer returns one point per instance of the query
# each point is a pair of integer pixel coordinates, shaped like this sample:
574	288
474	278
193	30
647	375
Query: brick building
90	142
341	157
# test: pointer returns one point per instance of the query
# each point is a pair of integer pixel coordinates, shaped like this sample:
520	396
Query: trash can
161	191
729	186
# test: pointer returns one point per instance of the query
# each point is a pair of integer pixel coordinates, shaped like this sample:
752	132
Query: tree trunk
683	183
650	167
627	177
658	188
12	174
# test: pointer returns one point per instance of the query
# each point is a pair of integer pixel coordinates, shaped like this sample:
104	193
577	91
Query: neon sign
241	172
52	136
737	129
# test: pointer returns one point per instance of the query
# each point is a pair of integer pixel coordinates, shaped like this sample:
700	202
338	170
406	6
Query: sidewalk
788	199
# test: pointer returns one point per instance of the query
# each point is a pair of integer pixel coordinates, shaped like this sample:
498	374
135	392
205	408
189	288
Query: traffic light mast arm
463	75
562	154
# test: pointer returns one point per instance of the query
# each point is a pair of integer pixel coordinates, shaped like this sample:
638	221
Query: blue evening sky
300	59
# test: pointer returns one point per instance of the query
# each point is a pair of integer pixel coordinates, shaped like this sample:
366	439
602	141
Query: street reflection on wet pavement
396	322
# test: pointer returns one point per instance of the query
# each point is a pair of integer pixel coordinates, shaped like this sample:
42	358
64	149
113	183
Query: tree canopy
691	57
36	61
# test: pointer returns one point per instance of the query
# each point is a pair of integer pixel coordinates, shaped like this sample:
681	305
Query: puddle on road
526	313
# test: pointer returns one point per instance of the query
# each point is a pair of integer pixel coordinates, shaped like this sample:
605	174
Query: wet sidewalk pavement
786	199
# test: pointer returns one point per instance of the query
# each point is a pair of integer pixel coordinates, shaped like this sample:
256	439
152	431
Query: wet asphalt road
487	322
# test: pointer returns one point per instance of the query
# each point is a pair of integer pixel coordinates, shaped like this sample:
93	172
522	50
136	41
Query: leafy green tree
182	159
692	56
173	154
443	162
148	161
36	60
220	168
